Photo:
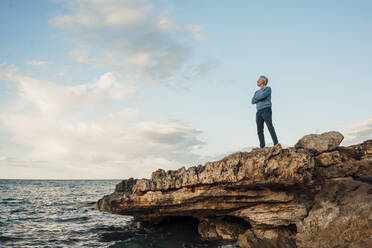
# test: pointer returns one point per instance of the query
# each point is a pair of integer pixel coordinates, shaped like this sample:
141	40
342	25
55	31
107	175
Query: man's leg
260	128
267	116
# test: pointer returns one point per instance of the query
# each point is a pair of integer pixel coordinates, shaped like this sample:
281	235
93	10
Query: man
262	99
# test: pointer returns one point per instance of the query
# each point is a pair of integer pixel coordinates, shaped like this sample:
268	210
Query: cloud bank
134	37
92	143
358	133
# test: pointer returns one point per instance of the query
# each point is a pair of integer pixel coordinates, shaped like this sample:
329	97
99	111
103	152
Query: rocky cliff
315	194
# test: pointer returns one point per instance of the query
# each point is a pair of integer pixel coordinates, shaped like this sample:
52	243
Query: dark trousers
264	115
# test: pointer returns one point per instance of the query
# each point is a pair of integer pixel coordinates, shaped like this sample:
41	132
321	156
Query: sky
112	89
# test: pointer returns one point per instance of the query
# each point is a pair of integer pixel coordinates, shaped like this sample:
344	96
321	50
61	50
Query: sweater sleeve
254	98
262	95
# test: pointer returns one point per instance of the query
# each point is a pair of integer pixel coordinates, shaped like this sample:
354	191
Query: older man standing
262	99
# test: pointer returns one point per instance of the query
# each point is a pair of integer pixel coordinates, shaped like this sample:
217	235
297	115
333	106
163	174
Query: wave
4	238
74	219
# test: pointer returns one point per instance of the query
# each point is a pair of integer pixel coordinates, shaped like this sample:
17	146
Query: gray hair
265	78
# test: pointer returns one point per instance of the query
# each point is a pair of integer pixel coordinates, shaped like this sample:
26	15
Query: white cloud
166	24
75	22
82	56
124	17
358	133
140	59
103	13
133	37
138	168
112	144
117	137
37	63
50	97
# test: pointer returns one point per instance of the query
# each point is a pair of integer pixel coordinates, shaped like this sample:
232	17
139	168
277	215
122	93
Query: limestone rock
272	215
221	228
341	217
316	194
318	143
328	158
126	186
352	161
264	166
267	238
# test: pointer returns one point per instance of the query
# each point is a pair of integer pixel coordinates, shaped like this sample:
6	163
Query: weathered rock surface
340	217
267	238
320	142
316	194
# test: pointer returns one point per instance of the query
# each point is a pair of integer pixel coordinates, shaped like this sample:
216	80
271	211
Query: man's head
262	81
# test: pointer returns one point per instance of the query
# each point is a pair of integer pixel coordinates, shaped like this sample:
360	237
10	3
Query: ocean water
60	213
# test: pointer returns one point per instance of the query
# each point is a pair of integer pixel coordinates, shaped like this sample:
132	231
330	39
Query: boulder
318	143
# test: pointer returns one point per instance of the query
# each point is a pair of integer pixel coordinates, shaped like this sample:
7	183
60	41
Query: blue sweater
262	98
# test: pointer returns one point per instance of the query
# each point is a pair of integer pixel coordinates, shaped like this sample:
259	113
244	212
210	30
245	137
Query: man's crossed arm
261	95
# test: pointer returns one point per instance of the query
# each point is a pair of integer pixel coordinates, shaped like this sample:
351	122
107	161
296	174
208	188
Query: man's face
260	82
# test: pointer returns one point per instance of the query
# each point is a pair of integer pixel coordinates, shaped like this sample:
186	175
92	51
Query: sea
60	213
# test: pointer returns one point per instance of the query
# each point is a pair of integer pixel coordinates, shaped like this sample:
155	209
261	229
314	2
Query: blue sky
113	89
